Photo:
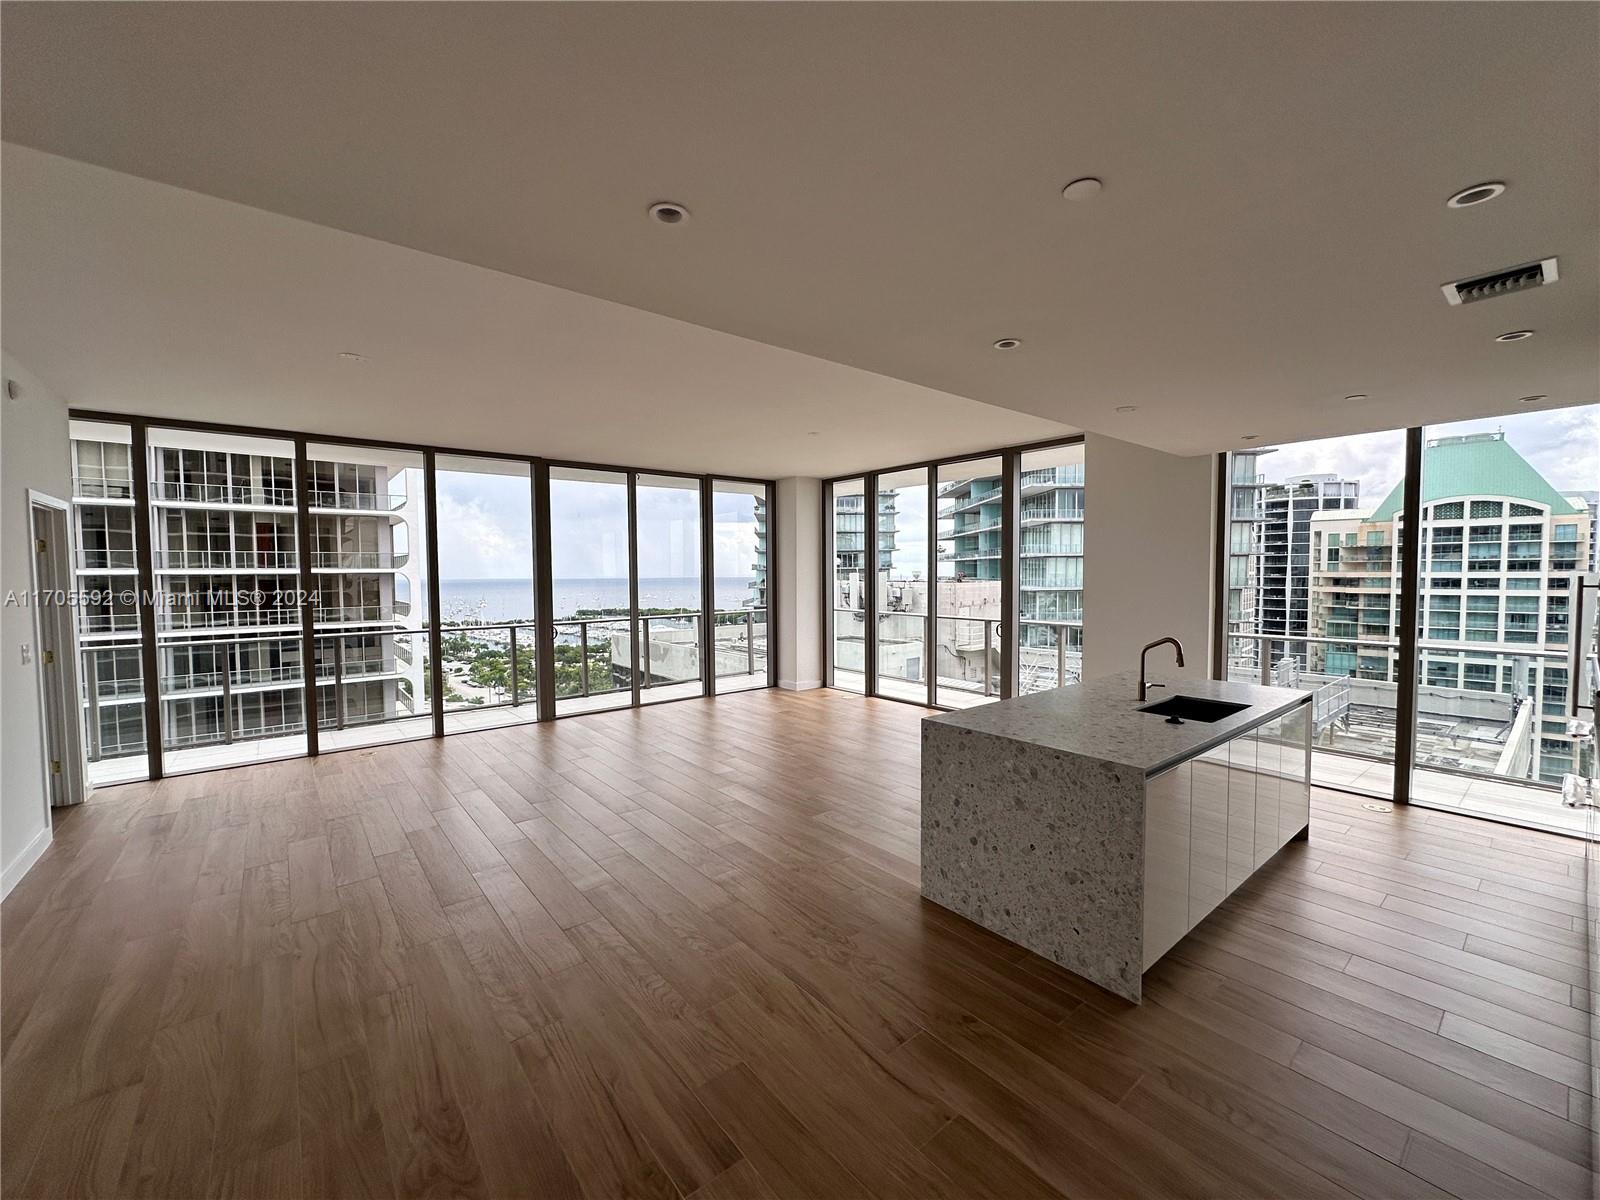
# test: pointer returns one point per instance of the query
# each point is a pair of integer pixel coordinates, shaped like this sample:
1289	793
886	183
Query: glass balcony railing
221	489
358	560
107	486
347	501
185	559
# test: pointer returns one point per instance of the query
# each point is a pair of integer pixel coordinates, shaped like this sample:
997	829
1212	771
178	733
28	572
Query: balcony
1477	748
104	559
225	560
338	500
358	560
221	491
110	486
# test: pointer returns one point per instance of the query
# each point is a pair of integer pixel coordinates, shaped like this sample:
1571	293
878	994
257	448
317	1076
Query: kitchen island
1097	835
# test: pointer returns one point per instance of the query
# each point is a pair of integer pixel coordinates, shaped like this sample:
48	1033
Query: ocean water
493	600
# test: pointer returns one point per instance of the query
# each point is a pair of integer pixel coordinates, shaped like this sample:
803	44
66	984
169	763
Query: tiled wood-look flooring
680	952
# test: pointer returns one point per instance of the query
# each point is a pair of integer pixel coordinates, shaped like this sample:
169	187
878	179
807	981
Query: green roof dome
1476	464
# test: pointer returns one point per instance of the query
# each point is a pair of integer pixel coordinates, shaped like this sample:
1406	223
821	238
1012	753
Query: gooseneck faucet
1174	643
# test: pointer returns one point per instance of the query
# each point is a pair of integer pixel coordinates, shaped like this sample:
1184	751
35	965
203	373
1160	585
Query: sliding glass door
110	644
903	581
1313	578
1050	571
851	567
1506	639
969	631
740	573
671	616
489	639
226	562
592	576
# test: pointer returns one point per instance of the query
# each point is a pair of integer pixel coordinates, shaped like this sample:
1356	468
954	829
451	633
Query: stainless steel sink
1178	709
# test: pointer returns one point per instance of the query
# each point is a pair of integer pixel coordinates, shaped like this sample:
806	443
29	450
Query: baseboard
23	863
803	685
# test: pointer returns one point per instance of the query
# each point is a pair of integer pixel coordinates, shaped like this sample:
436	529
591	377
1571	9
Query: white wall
1148	527
799	584
33	454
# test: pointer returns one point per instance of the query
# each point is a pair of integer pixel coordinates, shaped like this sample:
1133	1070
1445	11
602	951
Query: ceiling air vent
1501	283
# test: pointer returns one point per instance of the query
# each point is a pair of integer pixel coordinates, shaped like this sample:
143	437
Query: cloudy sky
1562	444
486	531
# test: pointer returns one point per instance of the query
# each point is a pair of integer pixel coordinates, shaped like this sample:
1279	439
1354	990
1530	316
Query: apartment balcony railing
225	560
346	501
177	617
220	489
355	614
1466	724
111	486
358	560
107	622
225	680
103	559
228	734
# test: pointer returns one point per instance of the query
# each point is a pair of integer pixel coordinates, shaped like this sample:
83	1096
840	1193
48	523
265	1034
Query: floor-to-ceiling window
489	640
903	585
670	601
1313	581
1503	672
257	564
740	574
851	565
224	528
368	509
969	628
111	675
592	576
959	581
1505	639
1050	571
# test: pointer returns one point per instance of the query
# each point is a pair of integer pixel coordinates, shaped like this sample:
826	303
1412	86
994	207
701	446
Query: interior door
57	666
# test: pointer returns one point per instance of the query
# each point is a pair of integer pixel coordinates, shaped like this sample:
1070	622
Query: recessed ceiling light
1516	335
1008	343
1081	189
352	356
1357	396
1127	408
1478	193
1249	437
1532	399
669	212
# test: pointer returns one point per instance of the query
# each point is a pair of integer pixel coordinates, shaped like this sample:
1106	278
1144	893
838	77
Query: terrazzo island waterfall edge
1096	835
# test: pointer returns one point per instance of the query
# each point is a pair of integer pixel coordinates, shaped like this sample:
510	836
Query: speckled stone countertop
1100	719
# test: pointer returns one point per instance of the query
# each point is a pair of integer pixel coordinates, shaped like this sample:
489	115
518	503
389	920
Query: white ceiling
134	297
875	185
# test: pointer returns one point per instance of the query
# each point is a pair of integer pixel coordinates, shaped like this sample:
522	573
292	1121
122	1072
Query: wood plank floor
680	952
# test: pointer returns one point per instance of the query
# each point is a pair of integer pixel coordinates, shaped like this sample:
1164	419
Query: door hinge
55	766
49	657
41	545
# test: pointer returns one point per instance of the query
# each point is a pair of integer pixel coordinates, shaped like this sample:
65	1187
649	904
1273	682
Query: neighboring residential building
1282	554
1501	554
758	569
225	556
1245	532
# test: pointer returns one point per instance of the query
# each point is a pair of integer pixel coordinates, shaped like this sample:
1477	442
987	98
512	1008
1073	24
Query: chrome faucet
1175	644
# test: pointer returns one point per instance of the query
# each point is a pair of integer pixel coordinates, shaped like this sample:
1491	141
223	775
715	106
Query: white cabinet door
1166	861
1241	808
1208	833
1268	765
1294	803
